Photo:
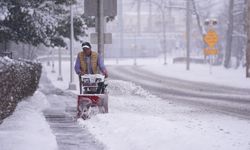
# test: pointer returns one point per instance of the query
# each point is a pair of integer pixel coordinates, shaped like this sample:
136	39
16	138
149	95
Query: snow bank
18	79
27	128
119	87
136	122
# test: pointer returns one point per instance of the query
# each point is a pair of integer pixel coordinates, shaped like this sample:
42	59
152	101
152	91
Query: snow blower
93	97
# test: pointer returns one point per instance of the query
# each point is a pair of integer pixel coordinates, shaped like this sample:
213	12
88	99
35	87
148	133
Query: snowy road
227	100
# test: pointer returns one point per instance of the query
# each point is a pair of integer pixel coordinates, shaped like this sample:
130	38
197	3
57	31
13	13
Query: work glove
105	73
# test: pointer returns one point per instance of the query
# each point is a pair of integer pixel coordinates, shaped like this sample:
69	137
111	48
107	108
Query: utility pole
150	16
120	28
188	18
139	17
248	42
100	27
164	25
72	86
138	30
53	62
170	24
60	78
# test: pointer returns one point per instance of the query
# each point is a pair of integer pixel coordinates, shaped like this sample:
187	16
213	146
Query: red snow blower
93	97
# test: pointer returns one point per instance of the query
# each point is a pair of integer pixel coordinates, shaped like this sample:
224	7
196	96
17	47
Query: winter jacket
89	64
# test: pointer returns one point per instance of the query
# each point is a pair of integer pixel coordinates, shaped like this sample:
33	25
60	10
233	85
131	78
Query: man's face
87	51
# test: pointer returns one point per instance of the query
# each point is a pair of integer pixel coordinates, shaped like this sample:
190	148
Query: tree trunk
248	42
198	18
229	36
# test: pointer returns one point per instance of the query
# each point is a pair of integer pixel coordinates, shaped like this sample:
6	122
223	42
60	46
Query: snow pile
18	79
27	128
119	87
136	122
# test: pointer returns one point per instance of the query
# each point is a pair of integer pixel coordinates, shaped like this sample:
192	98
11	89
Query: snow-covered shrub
18	79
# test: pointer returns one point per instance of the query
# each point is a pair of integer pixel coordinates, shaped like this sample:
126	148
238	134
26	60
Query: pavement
61	116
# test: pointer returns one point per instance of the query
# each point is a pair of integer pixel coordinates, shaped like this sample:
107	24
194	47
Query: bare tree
239	32
198	17
229	35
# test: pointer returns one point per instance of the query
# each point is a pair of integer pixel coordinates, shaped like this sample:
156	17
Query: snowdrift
18	79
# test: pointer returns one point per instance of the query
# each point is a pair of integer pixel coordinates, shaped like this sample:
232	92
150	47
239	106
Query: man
88	62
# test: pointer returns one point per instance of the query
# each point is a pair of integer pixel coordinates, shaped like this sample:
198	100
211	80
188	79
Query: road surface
216	98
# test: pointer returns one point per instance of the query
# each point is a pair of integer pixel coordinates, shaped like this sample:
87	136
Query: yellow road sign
211	38
208	51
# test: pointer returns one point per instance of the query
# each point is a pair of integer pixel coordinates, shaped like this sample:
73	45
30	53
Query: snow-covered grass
198	72
139	120
26	128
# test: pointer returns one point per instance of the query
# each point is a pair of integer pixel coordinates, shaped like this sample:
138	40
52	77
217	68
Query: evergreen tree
38	22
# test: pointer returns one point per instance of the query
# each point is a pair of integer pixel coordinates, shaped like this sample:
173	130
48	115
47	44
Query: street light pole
120	53
100	28
138	30
53	62
188	34
60	78
164	32
72	86
135	52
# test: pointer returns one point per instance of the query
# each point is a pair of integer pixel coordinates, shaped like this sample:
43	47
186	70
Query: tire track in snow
230	101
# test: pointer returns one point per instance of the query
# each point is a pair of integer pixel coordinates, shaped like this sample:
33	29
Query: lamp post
72	86
120	53
164	25
60	78
188	17
100	27
53	62
135	53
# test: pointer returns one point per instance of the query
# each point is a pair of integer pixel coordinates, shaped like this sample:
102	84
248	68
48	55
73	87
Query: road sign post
100	9
109	7
211	39
107	38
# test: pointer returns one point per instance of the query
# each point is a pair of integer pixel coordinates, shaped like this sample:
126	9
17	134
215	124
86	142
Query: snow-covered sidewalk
141	121
26	128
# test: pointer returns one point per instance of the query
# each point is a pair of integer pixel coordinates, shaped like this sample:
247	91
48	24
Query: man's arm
101	66
78	65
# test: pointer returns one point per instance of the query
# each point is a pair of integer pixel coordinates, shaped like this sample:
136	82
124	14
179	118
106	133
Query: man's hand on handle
105	73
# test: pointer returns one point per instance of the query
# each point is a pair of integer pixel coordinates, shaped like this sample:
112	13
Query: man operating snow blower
88	61
92	87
